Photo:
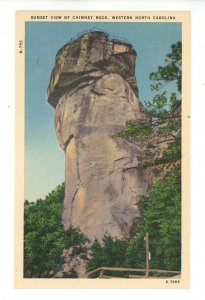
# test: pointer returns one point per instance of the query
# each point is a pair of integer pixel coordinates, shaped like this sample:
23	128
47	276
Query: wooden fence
146	271
102	271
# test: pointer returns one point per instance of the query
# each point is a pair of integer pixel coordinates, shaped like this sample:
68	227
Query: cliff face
94	92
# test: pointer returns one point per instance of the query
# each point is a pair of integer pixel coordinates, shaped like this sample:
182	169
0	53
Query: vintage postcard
102	149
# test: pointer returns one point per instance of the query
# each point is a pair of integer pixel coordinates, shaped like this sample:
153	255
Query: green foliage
44	236
162	104
161	217
170	128
138	130
170	154
158	107
109	253
171	71
173	152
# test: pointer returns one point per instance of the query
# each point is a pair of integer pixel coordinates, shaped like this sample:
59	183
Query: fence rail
103	269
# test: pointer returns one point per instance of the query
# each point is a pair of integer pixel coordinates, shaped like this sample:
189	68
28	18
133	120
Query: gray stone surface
102	182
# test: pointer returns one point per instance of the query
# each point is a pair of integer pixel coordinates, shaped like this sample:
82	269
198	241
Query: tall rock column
94	92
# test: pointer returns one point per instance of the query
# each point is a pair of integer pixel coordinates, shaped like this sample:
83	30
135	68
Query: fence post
101	273
147	254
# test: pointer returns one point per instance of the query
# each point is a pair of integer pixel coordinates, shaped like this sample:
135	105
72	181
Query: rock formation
94	92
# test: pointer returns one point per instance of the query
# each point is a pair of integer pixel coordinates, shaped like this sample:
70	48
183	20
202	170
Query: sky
44	160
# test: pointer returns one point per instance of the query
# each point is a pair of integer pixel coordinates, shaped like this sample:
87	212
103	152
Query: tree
109	253
172	70
44	236
164	127
161	217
